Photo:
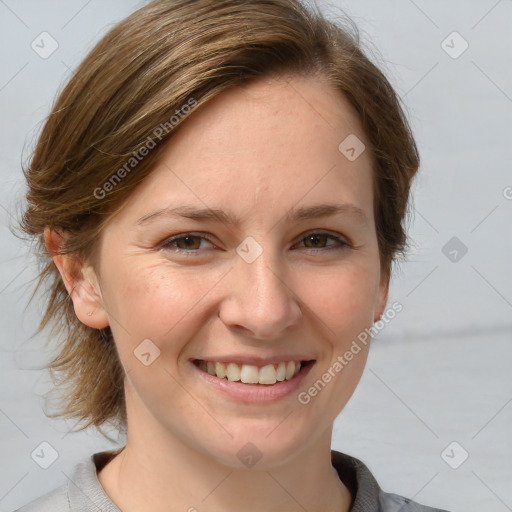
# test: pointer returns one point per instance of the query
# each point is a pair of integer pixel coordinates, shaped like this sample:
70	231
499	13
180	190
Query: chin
268	445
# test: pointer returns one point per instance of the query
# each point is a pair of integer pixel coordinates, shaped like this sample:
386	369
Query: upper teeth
249	374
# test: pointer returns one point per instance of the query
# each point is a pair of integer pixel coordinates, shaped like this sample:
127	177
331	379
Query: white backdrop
439	373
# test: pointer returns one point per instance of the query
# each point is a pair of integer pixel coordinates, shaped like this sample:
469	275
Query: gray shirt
84	493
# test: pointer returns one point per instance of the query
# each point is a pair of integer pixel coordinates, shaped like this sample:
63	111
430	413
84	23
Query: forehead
267	145
286	113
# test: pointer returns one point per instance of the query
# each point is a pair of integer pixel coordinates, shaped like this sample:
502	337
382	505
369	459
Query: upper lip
254	360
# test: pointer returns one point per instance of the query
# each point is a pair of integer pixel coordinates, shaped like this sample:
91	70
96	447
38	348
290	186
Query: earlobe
80	281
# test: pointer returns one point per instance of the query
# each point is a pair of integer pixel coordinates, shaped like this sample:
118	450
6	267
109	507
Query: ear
382	297
80	280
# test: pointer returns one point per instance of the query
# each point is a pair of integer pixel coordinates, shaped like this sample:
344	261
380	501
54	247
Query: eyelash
167	244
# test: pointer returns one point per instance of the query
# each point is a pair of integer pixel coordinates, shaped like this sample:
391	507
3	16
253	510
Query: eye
319	241
185	242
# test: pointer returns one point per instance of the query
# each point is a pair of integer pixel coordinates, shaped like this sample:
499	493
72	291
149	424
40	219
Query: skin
257	152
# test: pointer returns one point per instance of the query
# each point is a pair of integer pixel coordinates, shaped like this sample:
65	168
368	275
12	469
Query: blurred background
429	417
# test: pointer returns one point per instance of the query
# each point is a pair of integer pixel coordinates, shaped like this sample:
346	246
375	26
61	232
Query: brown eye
323	241
188	242
316	241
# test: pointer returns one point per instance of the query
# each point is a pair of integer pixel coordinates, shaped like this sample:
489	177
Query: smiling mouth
250	374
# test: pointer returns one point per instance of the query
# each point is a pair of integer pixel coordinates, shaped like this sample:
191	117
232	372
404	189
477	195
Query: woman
219	192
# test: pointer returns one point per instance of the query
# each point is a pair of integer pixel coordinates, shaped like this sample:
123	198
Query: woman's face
252	241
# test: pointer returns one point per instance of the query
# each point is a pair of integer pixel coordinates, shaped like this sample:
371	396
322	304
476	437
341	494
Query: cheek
343	304
160	303
343	298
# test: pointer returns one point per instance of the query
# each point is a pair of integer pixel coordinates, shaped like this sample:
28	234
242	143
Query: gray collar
85	492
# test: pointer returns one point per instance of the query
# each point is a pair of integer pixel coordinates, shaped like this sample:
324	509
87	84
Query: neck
161	470
171	476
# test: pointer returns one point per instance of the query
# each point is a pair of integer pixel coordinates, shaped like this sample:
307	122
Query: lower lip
255	392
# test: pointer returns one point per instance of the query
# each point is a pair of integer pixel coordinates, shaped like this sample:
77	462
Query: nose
260	302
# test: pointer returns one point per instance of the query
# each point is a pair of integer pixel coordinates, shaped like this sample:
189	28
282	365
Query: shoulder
82	491
394	503
366	492
54	501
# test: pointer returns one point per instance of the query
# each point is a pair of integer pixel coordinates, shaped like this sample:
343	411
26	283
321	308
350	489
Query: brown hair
135	86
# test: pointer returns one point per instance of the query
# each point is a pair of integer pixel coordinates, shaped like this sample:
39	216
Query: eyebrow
294	215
